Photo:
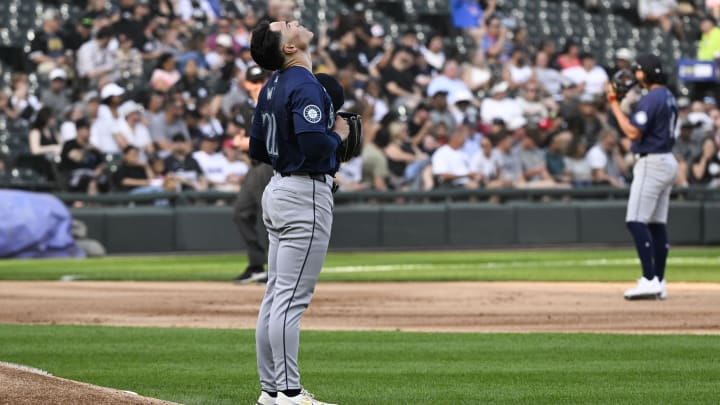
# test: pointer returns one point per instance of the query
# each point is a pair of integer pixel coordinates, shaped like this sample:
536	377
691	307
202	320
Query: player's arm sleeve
308	111
258	151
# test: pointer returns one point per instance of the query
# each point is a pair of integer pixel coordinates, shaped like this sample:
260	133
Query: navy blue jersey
293	104
656	117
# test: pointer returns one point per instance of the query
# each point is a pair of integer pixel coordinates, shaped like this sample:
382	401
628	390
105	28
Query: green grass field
685	264
200	366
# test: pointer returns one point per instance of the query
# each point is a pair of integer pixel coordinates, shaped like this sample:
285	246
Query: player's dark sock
272	394
644	246
660	246
291	393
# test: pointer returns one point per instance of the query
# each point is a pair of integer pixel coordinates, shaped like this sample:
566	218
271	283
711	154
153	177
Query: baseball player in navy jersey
650	127
294	130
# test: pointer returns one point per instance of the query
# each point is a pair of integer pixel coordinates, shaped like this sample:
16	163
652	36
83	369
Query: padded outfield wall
411	226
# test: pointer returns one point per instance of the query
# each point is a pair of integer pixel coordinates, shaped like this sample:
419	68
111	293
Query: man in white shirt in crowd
449	81
605	160
105	132
213	163
134	130
95	58
589	76
499	105
451	165
486	164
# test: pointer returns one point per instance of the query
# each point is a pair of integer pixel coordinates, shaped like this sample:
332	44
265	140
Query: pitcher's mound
25	385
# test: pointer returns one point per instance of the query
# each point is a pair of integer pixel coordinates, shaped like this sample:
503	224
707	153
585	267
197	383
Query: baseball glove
622	81
352	146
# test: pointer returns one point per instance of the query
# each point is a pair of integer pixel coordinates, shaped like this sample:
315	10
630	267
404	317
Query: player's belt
314	176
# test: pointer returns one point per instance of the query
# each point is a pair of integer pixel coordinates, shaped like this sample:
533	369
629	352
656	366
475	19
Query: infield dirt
692	308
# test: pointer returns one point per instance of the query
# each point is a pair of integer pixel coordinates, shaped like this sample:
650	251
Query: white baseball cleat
663	290
304	398
265	399
646	289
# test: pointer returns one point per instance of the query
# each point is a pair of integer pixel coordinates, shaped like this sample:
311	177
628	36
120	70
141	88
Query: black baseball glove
622	81
352	146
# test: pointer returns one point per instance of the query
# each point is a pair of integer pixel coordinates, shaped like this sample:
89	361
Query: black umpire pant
247	211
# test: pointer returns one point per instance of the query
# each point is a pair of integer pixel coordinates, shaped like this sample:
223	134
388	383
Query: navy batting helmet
651	66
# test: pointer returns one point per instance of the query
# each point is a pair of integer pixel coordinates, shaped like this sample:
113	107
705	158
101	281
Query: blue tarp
35	225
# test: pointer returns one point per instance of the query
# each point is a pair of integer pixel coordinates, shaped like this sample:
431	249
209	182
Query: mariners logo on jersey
312	114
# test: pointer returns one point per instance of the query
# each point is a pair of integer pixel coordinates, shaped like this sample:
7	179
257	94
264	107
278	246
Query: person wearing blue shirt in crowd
651	127
295	131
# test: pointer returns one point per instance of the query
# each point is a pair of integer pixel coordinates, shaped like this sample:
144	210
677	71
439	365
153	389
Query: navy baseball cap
334	89
648	63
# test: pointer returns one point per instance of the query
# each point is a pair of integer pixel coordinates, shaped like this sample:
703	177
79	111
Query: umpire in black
247	209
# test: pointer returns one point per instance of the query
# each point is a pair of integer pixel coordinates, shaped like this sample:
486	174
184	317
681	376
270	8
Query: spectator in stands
163	127
134	131
134	176
349	176
191	86
224	27
586	125
182	167
705	168
83	163
95	58
209	125
517	70
486	166
433	52
577	165
569	57
547	77
197	10
449	81
495	42
128	60
439	111
105	132
42	138
511	170
68	131
709	45
714	7
214	164
464	108
23	104
555	157
375	170
237	165
470	16
451	166
476	74
568	100
165	75
56	96
344	51
533	107
81	33
533	162
499	105
373	51
662	13
591	78
399	78
623	59
91	103
606	162
686	149
47	49
407	163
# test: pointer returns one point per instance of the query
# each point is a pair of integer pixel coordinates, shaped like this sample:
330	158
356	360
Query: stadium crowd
142	96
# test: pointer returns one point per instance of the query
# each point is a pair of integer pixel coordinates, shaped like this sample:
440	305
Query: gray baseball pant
297	212
653	178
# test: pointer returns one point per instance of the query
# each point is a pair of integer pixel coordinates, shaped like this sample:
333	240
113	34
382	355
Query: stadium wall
412	226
